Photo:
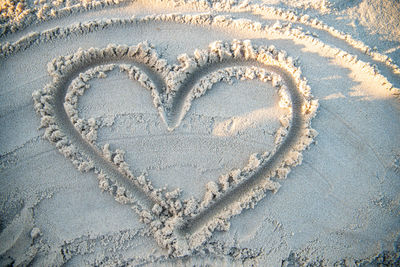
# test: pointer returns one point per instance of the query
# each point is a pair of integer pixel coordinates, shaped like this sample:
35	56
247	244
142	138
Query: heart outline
179	240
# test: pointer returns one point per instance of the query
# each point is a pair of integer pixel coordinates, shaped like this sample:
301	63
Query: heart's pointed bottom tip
170	124
171	128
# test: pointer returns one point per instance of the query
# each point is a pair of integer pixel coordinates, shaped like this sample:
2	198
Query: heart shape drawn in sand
182	226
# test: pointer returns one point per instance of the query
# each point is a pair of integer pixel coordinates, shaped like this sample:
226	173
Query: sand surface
200	133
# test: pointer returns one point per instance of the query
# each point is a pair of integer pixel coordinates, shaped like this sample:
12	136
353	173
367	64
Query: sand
238	133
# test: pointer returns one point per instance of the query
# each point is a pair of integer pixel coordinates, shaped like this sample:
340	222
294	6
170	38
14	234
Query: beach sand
200	133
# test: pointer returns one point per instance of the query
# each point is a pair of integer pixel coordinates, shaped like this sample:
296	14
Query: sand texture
199	133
